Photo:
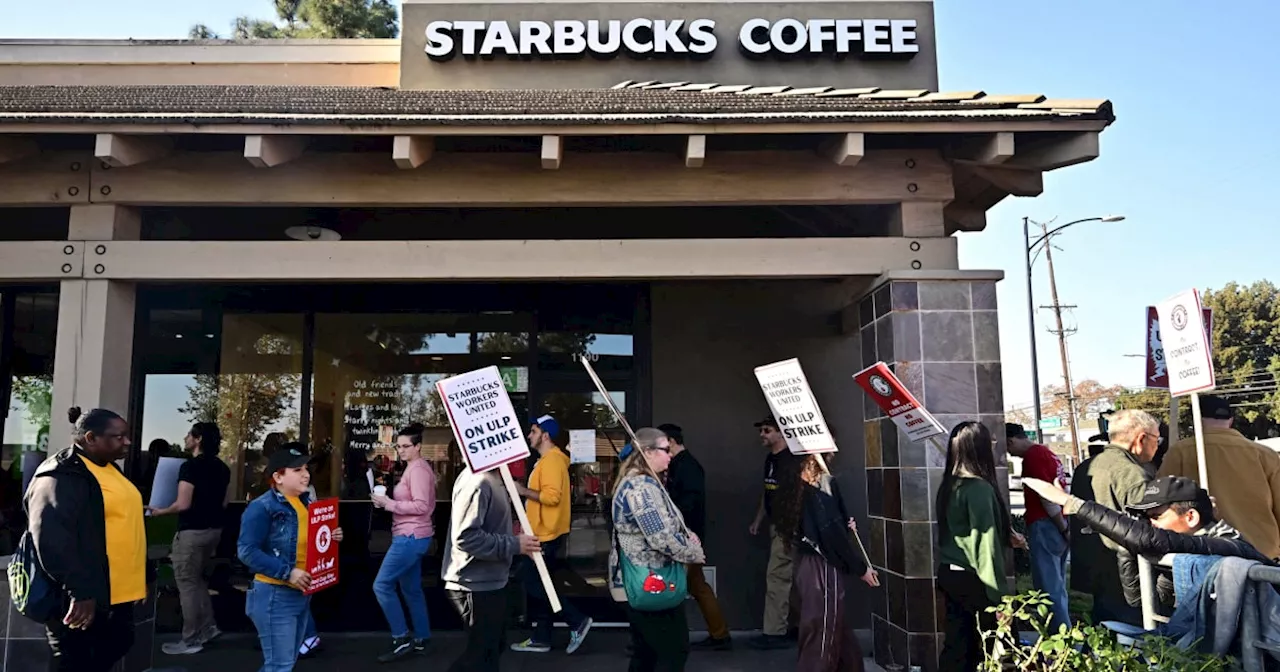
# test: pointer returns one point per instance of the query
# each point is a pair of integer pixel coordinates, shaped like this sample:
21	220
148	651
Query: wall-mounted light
310	233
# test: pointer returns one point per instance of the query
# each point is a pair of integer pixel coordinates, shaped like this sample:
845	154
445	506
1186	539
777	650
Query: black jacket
687	485
1141	538
824	531
68	524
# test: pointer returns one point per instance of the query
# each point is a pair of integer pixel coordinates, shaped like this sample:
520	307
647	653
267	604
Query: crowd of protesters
86	524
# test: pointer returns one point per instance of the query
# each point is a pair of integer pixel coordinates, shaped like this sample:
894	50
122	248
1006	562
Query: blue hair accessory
626	451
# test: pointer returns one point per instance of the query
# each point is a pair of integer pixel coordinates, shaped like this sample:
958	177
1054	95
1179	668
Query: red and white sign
1157	368
322	550
791	401
897	402
1186	344
484	422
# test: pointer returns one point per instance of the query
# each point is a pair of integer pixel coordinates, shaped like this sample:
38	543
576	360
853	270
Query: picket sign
791	400
490	437
1187	353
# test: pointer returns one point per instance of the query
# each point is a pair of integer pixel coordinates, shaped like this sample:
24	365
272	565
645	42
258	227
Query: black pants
661	640
966	603
539	610
484	615
96	649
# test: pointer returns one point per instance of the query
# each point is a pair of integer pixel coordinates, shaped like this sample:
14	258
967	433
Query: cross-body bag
649	589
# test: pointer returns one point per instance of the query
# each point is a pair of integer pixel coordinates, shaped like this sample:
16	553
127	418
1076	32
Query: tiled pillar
938	332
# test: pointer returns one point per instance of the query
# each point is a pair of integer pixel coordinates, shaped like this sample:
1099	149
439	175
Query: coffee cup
380	490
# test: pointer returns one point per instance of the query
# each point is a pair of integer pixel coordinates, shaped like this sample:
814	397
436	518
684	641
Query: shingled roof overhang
628	104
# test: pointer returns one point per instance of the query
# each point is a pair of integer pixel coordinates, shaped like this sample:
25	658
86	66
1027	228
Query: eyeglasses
665	449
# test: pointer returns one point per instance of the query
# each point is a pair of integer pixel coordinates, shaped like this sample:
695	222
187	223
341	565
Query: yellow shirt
126	535
550	518
298	508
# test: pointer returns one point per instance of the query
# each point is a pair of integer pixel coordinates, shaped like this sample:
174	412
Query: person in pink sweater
411	505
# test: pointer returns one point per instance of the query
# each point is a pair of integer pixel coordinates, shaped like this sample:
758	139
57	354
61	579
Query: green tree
323	19
1246	353
36	395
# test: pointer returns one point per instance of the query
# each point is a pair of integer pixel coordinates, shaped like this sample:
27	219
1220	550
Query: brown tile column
939	334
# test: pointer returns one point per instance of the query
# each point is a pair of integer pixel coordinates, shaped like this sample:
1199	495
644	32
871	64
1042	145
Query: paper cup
380	490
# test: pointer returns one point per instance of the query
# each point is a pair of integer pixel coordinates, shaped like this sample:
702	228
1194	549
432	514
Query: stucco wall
707	339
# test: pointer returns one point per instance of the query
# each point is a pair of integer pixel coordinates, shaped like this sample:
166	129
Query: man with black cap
687	485
1178	519
1247	475
781	473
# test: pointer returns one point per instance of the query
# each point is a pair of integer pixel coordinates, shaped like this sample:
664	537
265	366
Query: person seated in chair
1177	517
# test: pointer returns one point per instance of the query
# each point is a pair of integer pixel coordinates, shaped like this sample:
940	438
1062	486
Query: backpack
32	591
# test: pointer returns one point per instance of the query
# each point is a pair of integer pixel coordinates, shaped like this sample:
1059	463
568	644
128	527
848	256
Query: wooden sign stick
538	561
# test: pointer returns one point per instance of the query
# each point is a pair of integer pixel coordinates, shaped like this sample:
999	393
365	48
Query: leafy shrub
1083	648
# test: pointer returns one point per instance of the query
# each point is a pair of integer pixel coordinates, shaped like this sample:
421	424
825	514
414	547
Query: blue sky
1190	162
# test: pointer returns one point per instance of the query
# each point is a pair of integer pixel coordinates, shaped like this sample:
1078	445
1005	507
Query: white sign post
791	401
491	437
1188	357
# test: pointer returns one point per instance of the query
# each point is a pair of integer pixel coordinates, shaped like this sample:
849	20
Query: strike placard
897	402
322	550
484	422
799	418
1186	345
1157	369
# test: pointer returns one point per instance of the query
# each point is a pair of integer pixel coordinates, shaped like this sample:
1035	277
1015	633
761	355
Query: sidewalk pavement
604	650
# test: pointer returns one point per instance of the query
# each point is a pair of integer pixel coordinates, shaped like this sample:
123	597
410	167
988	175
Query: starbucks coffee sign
579	44
658	37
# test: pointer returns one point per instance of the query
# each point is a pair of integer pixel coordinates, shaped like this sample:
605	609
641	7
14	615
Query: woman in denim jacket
273	544
651	533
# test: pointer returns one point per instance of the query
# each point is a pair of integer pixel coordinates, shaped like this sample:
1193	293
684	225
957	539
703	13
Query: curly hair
788	499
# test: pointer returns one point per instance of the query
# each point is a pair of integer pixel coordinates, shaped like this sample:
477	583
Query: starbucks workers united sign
646	38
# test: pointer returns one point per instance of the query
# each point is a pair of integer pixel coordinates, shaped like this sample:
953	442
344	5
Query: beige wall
216	62
707	339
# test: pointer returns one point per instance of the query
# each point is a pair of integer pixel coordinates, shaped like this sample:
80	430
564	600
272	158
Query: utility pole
1062	342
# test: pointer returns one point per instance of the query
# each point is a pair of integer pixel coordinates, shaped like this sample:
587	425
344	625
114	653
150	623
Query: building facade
298	238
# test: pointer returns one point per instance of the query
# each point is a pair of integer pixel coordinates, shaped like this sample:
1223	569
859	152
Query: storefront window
29	324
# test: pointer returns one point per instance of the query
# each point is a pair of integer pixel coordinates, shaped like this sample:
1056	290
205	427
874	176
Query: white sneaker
309	646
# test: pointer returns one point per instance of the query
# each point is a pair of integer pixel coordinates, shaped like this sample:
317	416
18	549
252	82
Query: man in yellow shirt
1244	477
548	505
85	520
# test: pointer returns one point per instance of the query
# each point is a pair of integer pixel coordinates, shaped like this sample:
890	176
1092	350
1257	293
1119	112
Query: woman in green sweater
973	531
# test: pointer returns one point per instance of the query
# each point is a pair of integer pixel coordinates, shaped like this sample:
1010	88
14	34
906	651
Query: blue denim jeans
402	568
1049	568
280	614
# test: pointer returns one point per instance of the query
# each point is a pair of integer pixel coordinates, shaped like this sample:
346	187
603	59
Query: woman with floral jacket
651	534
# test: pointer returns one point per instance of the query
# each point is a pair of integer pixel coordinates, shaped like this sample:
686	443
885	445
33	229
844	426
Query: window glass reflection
33	328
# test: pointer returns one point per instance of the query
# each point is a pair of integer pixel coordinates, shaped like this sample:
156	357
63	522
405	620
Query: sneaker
309	647
713	644
181	648
770	642
400	647
420	645
210	635
530	646
578	636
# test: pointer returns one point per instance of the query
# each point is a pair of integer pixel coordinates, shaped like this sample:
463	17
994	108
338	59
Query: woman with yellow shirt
85	519
273	544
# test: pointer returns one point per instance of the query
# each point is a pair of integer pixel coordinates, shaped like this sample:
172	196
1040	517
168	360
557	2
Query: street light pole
1031	316
1062	343
1031	325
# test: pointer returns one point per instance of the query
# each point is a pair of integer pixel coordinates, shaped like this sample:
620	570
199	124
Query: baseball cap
768	421
288	456
1166	490
549	425
1215	408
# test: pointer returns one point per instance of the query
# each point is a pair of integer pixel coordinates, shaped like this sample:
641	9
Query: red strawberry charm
654	584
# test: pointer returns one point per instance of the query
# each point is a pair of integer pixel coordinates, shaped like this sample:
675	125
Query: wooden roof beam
695	151
1014	182
985	150
411	151
268	151
1056	152
13	148
552	151
846	149
122	151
